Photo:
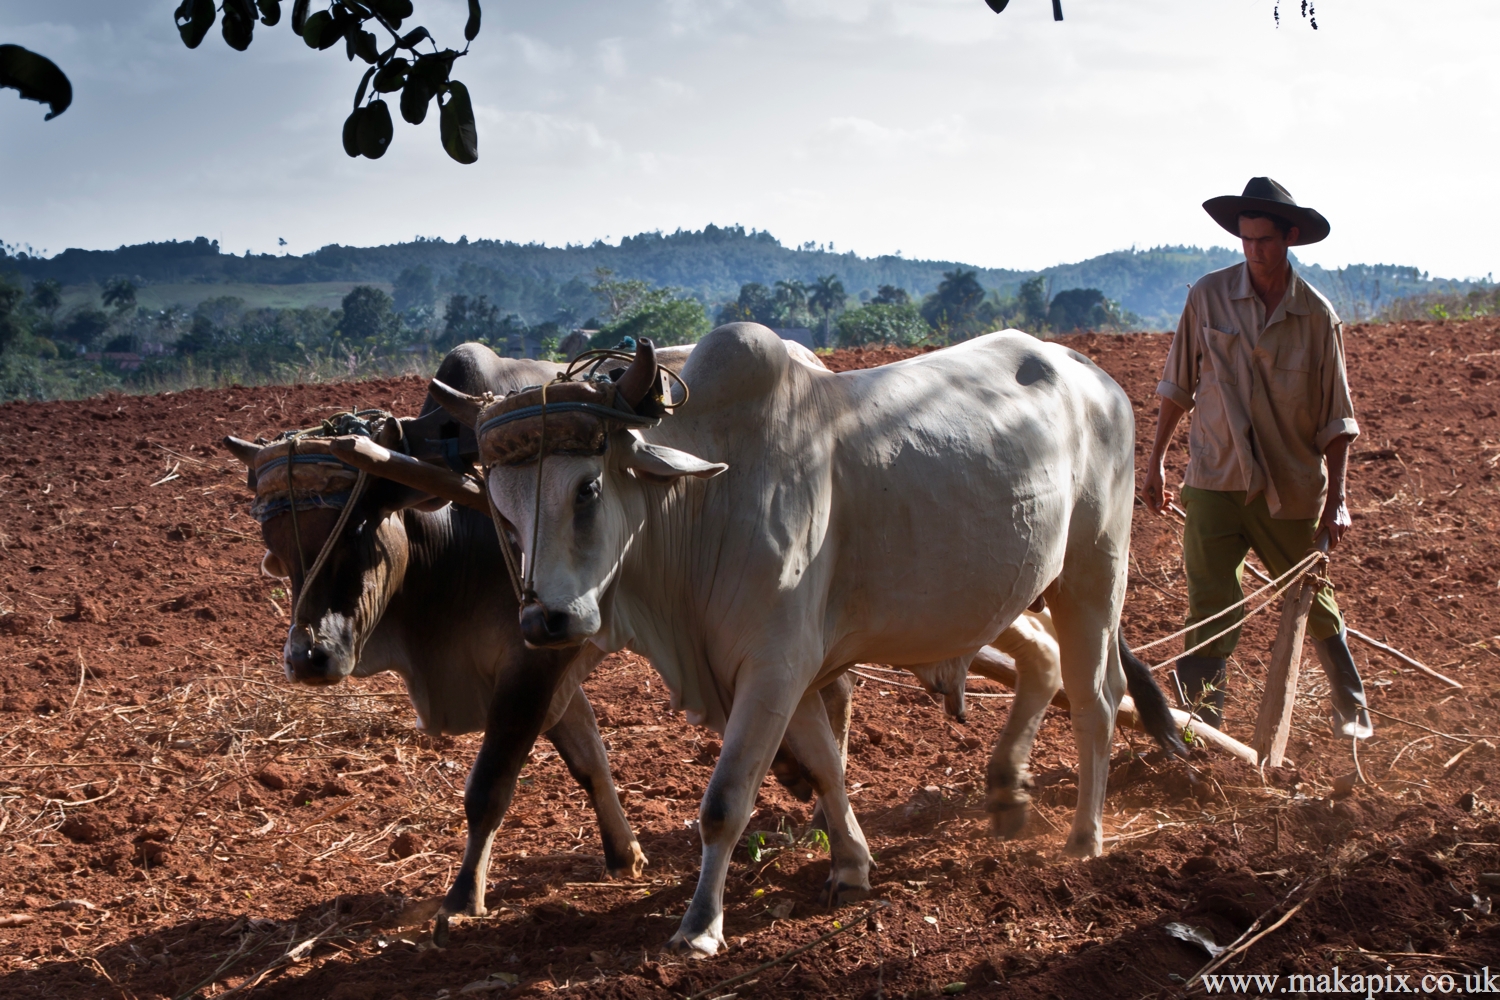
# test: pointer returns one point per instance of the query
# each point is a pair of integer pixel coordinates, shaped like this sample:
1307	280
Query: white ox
905	514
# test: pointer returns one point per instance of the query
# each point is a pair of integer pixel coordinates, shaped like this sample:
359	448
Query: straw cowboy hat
1264	195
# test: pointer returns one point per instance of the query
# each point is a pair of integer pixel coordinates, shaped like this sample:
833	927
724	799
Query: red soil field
177	821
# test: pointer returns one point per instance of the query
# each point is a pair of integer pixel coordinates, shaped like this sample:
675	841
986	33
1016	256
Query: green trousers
1221	528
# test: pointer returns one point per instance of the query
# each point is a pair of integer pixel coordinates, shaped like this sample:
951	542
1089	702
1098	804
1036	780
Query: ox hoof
1084	845
702	946
843	893
1008	819
634	865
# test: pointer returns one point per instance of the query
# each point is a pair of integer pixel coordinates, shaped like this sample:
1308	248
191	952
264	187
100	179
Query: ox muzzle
319	660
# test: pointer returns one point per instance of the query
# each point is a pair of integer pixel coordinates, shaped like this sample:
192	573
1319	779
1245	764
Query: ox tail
1150	702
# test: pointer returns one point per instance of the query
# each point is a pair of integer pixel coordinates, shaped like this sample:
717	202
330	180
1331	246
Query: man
1259	356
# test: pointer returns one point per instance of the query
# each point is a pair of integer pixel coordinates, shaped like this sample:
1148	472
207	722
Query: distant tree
883	323
1031	302
890	295
756	304
952	308
667	322
621	296
367	313
46	296
201	336
470	319
12	322
84	327
119	293
827	296
415	289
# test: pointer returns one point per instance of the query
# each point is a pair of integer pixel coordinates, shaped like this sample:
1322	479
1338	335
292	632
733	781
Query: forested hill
539	282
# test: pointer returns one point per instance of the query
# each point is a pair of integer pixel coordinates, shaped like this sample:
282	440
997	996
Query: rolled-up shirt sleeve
1179	377
1337	419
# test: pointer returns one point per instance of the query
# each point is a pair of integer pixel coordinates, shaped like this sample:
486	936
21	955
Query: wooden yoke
1274	724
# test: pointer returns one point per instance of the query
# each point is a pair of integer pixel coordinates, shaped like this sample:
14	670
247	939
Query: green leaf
415	97
392	76
456	123
36	77
394	11
320	32
375	129
270	12
413	36
363	44
194	18
351	132
238	28
299	15
471	28
364	82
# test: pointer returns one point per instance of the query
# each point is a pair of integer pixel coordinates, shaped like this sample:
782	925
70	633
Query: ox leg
517	711
576	737
756	725
838	701
1038	677
1095	682
812	740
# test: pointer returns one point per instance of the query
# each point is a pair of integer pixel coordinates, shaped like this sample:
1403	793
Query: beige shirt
1270	393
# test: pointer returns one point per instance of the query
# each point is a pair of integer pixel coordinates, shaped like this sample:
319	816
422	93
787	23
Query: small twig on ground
1415	725
1244	942
1453	761
1414	664
732	980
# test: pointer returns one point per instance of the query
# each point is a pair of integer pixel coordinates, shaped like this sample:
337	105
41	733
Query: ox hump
734	362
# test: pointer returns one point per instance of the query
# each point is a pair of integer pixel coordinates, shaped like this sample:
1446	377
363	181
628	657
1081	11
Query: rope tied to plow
1311	565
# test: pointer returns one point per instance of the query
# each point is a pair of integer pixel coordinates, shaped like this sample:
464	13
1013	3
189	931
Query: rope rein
1302	565
1303	568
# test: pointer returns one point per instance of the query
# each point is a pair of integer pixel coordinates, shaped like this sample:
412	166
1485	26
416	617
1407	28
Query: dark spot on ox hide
1035	369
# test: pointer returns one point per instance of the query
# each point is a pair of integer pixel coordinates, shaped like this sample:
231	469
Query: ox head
365	564
575	486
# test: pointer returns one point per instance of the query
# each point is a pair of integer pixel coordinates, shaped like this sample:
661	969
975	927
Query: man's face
1265	248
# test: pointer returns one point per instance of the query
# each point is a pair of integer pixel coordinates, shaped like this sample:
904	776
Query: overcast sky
930	127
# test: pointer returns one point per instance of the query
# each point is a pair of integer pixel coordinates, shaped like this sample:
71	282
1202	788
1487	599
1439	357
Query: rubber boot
1203	679
1351	717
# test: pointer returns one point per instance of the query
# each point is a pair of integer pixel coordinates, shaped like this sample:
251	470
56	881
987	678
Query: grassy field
328	294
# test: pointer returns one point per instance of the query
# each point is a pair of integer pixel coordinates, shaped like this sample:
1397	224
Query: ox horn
460	405
636	381
243	450
364	454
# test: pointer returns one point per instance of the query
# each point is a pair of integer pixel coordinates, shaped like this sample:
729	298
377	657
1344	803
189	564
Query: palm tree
119	293
827	296
47	296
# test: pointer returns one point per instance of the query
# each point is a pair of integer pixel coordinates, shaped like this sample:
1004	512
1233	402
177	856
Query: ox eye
588	493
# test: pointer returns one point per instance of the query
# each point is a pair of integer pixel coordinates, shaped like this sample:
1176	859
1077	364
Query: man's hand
1155	491
1335	520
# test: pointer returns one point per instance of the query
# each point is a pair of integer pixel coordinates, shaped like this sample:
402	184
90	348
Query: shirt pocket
1293	359
1222	348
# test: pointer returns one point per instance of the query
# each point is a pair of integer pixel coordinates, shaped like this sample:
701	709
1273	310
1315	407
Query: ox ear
460	405
664	465
272	566
243	450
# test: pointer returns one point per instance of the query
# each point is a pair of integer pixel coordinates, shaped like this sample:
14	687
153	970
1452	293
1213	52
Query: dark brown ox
410	586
